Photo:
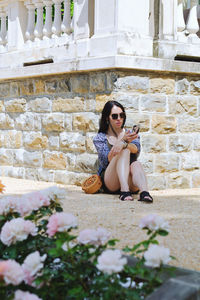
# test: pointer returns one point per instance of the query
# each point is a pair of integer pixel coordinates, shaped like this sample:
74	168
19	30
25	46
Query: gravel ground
180	207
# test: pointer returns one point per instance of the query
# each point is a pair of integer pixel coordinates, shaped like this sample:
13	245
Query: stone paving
180	207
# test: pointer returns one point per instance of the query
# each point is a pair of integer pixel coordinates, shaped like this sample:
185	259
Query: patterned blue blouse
101	144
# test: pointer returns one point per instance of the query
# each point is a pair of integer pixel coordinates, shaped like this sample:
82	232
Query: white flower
11	271
20	295
60	222
66	246
111	261
17	230
88	236
156	255
55	193
93	237
154	222
33	263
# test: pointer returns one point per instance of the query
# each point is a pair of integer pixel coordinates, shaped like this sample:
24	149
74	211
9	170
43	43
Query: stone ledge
103	63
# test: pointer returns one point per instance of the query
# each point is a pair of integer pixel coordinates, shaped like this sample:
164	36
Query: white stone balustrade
98	28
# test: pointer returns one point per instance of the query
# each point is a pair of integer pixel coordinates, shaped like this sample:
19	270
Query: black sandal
145	197
123	195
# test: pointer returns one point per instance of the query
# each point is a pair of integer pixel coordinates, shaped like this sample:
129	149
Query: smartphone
136	128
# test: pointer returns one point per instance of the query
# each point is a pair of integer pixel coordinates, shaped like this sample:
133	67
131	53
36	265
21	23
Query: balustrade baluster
193	25
3	32
56	28
47	30
181	24
66	24
38	32
31	21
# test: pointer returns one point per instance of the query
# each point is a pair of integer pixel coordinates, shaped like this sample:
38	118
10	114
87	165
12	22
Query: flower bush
41	258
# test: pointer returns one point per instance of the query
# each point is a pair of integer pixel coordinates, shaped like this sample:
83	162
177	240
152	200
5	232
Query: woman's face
116	117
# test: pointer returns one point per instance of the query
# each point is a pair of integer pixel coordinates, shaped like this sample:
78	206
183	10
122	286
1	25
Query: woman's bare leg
117	173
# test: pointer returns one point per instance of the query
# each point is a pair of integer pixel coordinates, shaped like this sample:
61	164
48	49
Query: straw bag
92	184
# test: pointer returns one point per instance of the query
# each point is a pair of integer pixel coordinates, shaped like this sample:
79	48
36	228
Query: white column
169	19
17	21
81	19
193	25
181	24
56	28
66	24
38	32
3	31
31	21
47	30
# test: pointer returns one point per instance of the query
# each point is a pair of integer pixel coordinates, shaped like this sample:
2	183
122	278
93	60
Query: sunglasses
121	115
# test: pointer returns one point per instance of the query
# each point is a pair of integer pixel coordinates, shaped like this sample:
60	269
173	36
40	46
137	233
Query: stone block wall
47	125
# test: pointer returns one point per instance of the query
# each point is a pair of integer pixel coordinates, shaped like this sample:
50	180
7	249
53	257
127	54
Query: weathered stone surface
4	89
72	141
155	103
2	139
18	157
181	143
31	174
86	163
2	108
101	101
192	125
14	89
147	162
26	87
68	105
97	82
182	86
54	160
190	161
163	124
13	139
142	119
154	143
166	163
45	175
57	85
39	86
183	105
196	180
162	85
178	181
85	122
80	84
65	177
129	100
133	83
32	159
40	105
156	182
54	142
28	121
15	172
71	161
53	122
90	105
195	87
90	148
6	157
15	105
6	122
197	142
35	141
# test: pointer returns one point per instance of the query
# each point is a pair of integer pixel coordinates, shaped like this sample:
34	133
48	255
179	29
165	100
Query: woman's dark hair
104	121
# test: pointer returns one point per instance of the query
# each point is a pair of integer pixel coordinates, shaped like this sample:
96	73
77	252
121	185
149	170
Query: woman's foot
145	197
125	196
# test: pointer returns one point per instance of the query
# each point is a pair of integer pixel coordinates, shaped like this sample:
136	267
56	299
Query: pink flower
111	261
17	230
20	295
156	255
60	222
154	222
33	263
11	272
93	237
